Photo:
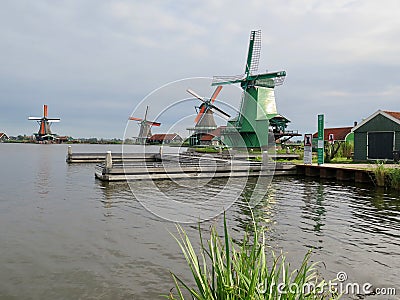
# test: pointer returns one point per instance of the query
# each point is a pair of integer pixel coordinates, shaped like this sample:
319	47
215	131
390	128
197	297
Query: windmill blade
253	55
222	80
200	114
193	93
215	94
54	120
153	123
269	83
34	118
270	79
220	110
45	110
135	119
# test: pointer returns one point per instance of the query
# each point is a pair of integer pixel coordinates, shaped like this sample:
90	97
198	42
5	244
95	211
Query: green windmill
258	122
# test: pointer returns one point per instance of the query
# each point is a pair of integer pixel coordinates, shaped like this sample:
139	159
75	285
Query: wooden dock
117	157
340	172
100	157
178	166
149	166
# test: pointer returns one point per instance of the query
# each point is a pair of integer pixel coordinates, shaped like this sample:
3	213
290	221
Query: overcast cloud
94	61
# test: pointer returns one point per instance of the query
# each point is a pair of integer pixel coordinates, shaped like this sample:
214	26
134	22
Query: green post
320	139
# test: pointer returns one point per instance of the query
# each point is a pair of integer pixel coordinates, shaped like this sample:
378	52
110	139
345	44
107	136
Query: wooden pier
117	157
179	166
340	172
149	166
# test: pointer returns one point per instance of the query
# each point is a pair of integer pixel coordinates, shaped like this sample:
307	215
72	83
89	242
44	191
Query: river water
66	235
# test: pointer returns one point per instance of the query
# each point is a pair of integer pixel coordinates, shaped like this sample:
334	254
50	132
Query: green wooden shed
377	137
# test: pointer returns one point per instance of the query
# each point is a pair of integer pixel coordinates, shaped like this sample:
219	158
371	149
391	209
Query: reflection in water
349	228
313	208
43	169
263	213
97	240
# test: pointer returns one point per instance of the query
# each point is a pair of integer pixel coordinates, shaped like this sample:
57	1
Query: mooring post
69	154
109	162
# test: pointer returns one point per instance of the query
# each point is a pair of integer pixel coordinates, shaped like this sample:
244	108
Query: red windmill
44	133
204	121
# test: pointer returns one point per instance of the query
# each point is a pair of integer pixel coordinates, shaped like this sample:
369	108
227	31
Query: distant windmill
145	128
204	120
44	133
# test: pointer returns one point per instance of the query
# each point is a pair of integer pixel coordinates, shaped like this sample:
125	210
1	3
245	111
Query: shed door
380	145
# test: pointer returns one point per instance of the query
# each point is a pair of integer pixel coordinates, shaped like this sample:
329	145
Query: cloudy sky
93	61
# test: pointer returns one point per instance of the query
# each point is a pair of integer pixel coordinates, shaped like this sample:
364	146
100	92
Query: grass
380	172
207	150
386	176
394	178
223	270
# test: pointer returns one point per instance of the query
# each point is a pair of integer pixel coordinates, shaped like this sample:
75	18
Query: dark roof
3	134
215	133
164	136
339	133
392	115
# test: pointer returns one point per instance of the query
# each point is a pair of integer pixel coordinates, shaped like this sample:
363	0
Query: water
66	235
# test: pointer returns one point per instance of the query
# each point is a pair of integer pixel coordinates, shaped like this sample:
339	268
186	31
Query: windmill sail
204	121
253	55
44	122
205	116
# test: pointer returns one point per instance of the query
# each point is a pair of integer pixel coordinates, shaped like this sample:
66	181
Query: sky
97	62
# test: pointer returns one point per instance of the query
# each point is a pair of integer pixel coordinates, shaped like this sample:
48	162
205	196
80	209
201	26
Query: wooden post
69	154
109	162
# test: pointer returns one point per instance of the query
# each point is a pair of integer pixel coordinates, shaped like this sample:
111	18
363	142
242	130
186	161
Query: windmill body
253	126
44	133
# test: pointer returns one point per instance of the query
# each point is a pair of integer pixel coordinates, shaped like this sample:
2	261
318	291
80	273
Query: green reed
224	270
386	176
380	172
394	178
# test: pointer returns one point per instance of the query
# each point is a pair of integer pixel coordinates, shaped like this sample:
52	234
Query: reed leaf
225	271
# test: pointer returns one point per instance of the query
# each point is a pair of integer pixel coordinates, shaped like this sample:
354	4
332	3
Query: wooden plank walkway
143	166
117	157
175	166
100	157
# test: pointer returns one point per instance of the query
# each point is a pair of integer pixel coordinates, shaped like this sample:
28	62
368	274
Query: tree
331	149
